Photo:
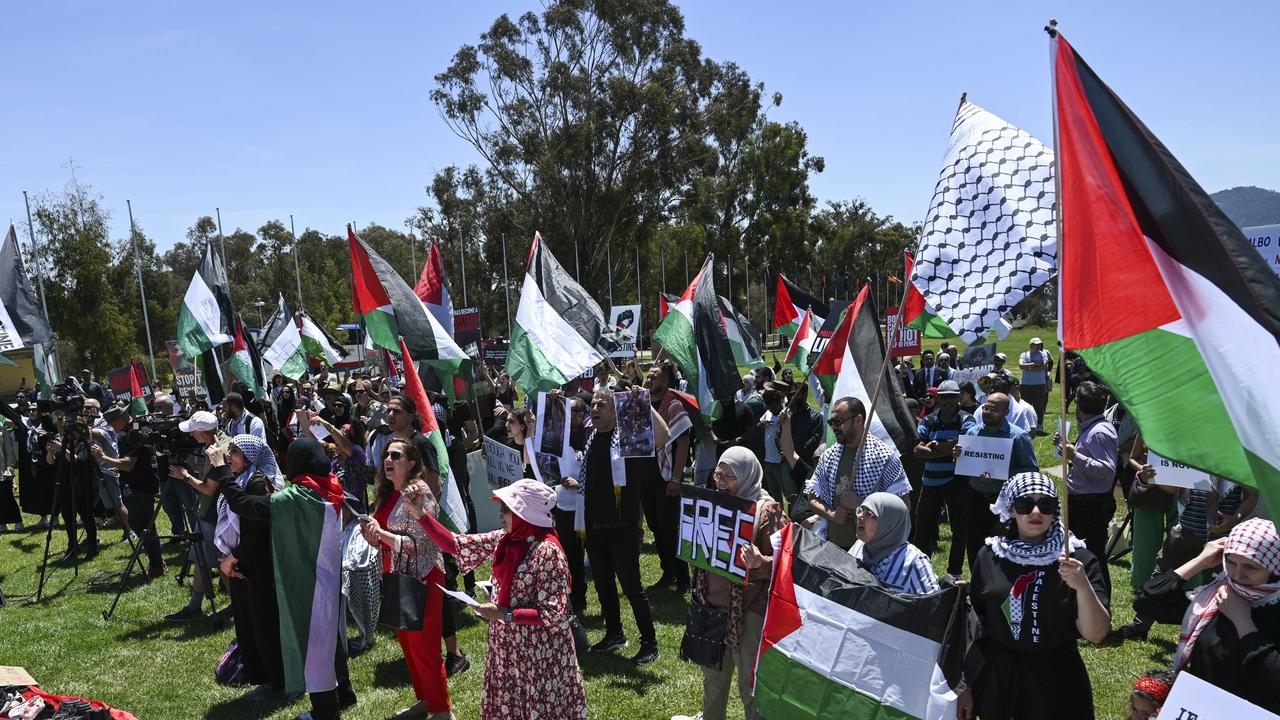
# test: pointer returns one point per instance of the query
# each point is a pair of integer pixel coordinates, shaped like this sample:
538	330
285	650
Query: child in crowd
1149	694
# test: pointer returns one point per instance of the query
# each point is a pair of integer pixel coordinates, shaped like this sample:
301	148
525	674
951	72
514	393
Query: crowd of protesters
1206	559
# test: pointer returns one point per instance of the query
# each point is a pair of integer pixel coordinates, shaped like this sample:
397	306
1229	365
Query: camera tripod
54	511
195	549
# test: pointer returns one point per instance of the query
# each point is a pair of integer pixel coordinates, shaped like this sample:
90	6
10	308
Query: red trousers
422	650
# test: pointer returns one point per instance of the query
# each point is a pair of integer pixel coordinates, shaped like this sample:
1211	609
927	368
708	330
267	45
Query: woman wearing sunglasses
1032	603
530	669
400	495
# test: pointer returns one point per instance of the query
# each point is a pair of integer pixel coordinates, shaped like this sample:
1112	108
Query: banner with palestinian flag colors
558	325
665	303
837	644
802	344
789	305
432	290
21	321
390	310
743	339
137	398
693	334
1161	294
453	512
242	361
306	549
849	364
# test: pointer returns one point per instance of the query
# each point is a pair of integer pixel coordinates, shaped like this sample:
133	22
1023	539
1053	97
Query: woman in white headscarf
1033	603
884	524
739	472
1242	654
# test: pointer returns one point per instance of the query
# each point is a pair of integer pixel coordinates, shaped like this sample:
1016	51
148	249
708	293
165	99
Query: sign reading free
714	526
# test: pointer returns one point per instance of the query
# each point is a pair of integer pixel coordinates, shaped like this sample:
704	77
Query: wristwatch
508	616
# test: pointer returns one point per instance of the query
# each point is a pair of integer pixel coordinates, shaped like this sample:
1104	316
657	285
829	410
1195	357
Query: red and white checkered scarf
1255	539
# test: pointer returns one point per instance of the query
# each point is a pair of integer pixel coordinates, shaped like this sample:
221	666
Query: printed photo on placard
635	426
547	466
553	425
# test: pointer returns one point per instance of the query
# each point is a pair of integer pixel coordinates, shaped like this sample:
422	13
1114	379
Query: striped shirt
1194	518
905	570
939	471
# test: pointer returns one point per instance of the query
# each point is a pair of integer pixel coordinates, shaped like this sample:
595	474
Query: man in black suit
927	376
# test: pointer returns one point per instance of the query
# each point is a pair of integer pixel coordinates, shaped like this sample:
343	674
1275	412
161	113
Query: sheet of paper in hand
984	455
1175	474
505	465
713	528
635	426
1192	698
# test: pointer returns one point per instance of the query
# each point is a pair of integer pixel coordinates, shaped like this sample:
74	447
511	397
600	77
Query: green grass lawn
160	671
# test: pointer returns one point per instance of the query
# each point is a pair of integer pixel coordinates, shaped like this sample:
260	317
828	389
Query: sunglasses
1024	505
836	421
394	455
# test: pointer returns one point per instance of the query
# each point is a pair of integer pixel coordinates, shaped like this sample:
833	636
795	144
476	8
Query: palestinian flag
137	399
286	353
281	317
433	292
802	343
789	305
389	310
205	319
45	370
558	326
1014	605
241	362
306	549
693	333
917	313
743	339
1160	290
665	302
21	322
836	644
316	342
453	512
848	365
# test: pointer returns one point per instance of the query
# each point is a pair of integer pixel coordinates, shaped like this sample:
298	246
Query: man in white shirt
1036	364
1021	414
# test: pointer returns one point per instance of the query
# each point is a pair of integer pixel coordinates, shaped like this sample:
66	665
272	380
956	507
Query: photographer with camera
138	482
106	445
66	453
202	426
176	499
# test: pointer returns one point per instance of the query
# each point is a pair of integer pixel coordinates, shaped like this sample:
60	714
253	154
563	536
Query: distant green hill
1250	206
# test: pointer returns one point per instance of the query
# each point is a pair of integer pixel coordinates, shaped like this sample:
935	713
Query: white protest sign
1194	699
625	319
505	464
1175	474
1266	240
1063	432
980	455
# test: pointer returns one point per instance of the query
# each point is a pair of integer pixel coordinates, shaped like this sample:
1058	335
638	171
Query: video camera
161	433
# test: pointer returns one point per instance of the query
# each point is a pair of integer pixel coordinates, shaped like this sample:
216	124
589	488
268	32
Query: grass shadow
190	630
243	708
618	671
392	674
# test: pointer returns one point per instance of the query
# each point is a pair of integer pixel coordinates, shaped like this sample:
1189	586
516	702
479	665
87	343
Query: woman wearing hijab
530	671
400	495
884	524
1231	626
738	472
244	545
1032	603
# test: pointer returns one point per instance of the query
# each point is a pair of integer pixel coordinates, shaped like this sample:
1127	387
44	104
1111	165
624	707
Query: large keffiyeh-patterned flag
989	239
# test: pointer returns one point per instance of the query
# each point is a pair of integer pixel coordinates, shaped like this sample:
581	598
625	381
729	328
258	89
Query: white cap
1036	341
201	421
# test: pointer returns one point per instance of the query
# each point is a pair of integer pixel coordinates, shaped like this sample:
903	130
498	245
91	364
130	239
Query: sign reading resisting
714	526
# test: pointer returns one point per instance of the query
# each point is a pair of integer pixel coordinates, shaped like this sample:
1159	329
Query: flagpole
137	260
506	283
638	276
1052	30
413	251
222	244
890	330
296	251
35	254
663	259
608	261
686	268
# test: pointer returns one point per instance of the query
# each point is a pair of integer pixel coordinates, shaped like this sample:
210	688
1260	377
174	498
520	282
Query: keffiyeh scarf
1049	549
1255	539
617	466
226	536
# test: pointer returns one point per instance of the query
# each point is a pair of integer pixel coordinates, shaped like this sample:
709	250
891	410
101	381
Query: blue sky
321	109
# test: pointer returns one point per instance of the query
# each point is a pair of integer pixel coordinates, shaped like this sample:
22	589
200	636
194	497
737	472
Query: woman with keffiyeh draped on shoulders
1231	626
1032	603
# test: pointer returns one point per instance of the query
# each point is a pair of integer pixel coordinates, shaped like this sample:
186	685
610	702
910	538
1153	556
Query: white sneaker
952	579
687	717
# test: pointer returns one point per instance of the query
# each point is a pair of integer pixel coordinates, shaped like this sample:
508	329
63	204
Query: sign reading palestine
714	526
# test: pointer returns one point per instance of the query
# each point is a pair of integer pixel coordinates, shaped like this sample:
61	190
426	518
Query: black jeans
1088	515
955	494
662	513
979	524
573	553
327	705
77	496
141	508
615	553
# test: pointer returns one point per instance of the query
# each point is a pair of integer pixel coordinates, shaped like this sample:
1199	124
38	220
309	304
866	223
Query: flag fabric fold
837	644
306	549
286	353
693	333
917	313
989	239
242	361
743	339
21	322
433	291
1160	290
205	319
558	326
798	354
453	512
137	400
790	303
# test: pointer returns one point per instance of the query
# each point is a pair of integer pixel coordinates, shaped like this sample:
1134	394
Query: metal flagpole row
146	318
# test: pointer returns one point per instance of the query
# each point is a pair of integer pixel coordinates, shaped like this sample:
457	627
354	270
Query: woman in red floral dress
531	670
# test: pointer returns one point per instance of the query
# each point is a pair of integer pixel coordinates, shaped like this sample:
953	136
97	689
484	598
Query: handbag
704	631
404	597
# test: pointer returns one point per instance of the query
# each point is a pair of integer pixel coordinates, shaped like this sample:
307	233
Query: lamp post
259	304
